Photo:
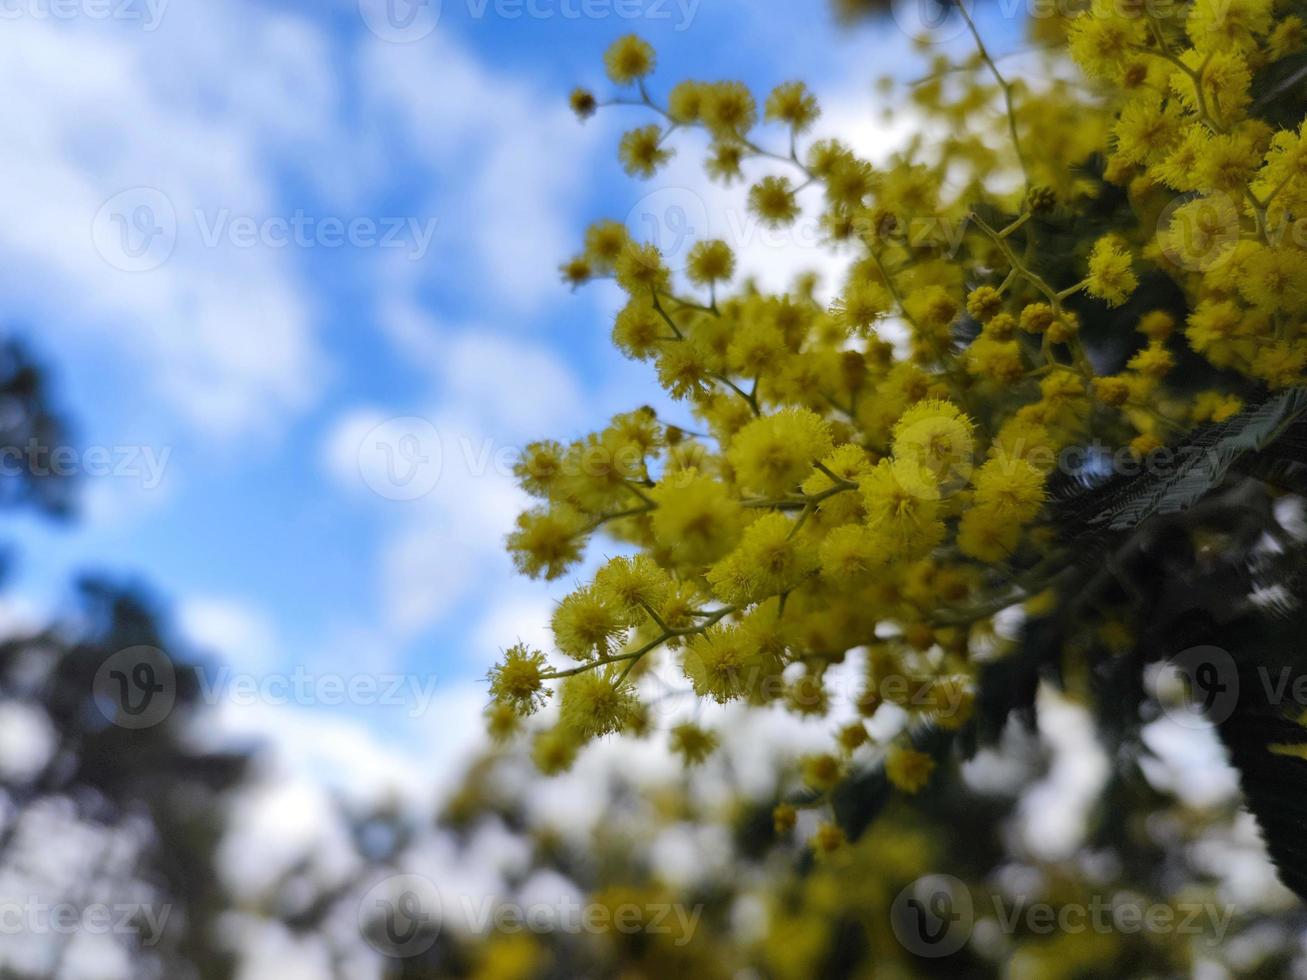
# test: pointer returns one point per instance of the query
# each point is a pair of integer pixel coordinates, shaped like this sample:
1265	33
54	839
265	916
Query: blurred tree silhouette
30	427
102	814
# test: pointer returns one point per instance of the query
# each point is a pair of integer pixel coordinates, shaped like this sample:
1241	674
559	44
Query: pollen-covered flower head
1111	275
604	243
988	535
517	679
908	769
775	453
728	109
685	102
629	58
642	151
554	750
640	269
822	772
696	520
587	625
774	201
1011	486
692	743
547	541
1201	234
792	104
901	498
721	663
984	303
633	585
583	103
849	554
771	558
937	435
596	703
710	261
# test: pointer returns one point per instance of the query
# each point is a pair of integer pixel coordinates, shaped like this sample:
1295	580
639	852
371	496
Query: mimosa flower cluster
868	476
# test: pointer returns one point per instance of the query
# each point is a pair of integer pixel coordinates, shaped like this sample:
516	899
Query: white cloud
27	740
220	333
242	635
512	169
518	616
444	546
680	205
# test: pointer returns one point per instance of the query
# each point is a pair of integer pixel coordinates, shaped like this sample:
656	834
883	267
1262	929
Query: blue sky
259	371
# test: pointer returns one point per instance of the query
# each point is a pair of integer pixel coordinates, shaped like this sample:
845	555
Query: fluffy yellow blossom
728	109
902	502
848	554
1147	130
1154	360
1288	37
642	151
1222	24
1276	279
685	102
784	817
792	104
517	680
710	261
1037	317
937	435
984	303
1102	38
1113	391
1157	325
638	328
640	269
585	625
547	542
828	838
822	772
1000	361
696	518
583	103
770	559
1111	276
692	743
554	750
628	59
1226	84
632	585
908	769
1281	365
774	201
595	703
1011	486
775	453
605	242
988	535
722	664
